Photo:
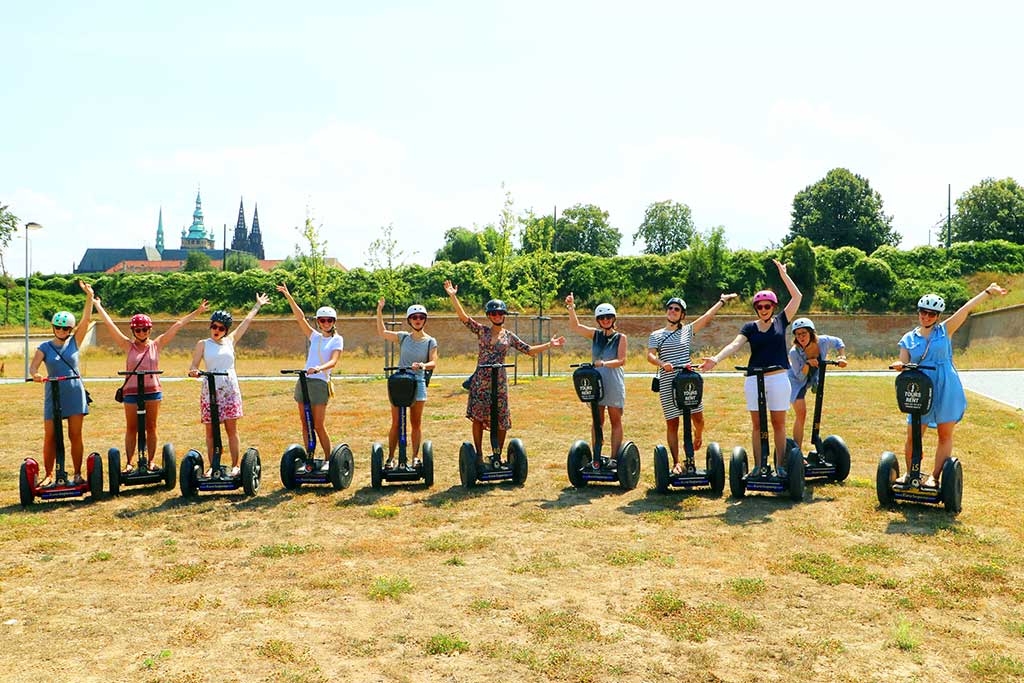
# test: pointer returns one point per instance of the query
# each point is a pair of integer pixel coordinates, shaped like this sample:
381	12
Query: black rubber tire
715	464
790	445
170	465
95	477
191	465
467	465
952	485
795	465
738	469
629	466
838	455
25	492
661	470
377	466
516	454
579	455
289	460
341	467
114	471
427	463
252	472
888	471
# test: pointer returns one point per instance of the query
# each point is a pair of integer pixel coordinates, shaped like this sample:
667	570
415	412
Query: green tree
992	209
841	210
241	261
498	259
197	262
312	264
800	253
463	244
875	281
667	227
706	275
386	260
539	284
584	228
8	226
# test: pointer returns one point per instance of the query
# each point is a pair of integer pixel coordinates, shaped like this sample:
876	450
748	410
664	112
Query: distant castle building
243	240
196	237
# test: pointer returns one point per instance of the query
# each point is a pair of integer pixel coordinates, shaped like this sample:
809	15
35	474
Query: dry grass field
536	583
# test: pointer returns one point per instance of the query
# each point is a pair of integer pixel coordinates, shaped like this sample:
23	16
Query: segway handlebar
395	368
293	372
57	378
497	365
579	365
767	368
914	366
140	372
205	373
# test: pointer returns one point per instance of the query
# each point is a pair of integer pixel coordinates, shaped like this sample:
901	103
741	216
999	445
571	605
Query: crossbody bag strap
70	367
127	377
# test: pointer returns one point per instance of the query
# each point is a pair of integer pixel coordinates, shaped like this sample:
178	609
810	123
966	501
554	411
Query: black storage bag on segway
914	392
688	389
402	388
588	384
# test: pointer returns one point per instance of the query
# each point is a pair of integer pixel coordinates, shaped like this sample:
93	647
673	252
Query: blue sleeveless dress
950	401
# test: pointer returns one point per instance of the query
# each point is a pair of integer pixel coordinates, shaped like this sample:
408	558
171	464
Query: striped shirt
673	346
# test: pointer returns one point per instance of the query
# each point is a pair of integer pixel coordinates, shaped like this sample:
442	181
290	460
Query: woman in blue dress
931	343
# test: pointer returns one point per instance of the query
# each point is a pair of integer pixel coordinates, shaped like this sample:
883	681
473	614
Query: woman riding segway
218	355
808	349
670	348
143	354
61	357
417	351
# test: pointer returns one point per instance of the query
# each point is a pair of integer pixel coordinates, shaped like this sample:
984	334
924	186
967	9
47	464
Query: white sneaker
235	471
326	466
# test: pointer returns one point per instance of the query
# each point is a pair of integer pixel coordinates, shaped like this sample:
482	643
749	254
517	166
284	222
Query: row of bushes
844	279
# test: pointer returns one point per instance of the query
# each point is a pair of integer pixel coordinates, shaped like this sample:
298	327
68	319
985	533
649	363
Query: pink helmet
766	295
140	321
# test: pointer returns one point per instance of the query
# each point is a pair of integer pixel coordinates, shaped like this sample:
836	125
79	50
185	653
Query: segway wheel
251	472
888	471
791	444
340	467
170	462
952	485
795	464
520	465
114	471
25	491
838	455
377	466
715	464
289	461
467	465
427	463
629	466
738	469
579	455
661	476
95	476
188	474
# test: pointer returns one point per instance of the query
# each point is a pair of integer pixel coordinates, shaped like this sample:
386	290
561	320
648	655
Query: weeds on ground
539	564
279	651
997	668
903	636
456	542
278	599
445	644
485	604
667	612
282	549
825	570
746	587
389	587
202	602
100	556
150	662
455	561
186	571
383	511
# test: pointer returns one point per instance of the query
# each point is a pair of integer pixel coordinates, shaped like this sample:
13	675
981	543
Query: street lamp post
28	226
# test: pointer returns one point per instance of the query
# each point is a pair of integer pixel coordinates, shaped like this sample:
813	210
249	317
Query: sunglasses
418	316
218	327
325	320
674	308
141	329
764	307
63	329
925	311
606	317
496	313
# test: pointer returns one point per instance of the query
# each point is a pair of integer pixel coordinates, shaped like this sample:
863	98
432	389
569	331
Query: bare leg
393	434
231	427
152	412
478	439
131	432
49	448
319	416
778	418
697	419
209	443
944	449
416	426
755	433
75	437
799	416
672	436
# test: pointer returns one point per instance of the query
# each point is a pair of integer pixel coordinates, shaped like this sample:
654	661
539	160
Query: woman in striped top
669	348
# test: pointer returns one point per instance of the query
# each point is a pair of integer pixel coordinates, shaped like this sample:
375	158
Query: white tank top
219	357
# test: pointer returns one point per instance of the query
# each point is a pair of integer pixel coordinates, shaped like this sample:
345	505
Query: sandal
931	483
46	483
390	464
78	481
128	468
678	468
152	467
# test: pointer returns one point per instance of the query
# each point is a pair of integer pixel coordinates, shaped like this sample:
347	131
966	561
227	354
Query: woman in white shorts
767	339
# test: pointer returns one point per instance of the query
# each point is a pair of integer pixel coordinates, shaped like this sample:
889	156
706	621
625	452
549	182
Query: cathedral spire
255	238
160	232
240	241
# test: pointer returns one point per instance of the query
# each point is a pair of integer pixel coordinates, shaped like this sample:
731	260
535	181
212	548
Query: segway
583	466
402	394
764	478
829	459
167	475
192	478
28	487
688	392
514	468
301	466
914	395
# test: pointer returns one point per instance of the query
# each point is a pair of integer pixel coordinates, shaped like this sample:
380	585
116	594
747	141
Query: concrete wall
1000	324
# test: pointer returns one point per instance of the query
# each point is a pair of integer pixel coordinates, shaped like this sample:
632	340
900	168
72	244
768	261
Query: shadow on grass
236	499
44	506
456	493
678	504
573	497
369	495
920	519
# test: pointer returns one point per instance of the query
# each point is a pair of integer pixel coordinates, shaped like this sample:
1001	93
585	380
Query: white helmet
415	308
326	312
802	323
932	302
604	309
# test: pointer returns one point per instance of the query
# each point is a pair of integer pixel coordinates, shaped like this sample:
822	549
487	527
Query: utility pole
949	216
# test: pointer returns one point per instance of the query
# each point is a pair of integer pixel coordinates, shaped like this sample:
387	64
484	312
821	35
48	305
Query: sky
422	115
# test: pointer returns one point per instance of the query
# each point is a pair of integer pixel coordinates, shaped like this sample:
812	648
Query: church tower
160	232
240	241
255	237
196	236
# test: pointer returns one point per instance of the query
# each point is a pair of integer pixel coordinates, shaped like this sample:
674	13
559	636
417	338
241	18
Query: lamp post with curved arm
28	226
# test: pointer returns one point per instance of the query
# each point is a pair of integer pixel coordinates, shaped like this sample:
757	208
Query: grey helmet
803	323
604	309
676	300
495	306
415	308
932	302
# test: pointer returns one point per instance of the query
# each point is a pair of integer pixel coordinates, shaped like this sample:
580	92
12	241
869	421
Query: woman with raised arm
808	350
608	355
767	339
670	348
218	355
325	347
143	353
60	355
494	342
417	351
931	344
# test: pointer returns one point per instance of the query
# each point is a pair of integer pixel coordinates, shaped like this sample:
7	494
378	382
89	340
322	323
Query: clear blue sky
416	113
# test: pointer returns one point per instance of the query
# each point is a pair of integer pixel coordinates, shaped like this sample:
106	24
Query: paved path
1005	386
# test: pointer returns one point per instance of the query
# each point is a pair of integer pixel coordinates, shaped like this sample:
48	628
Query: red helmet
140	321
766	295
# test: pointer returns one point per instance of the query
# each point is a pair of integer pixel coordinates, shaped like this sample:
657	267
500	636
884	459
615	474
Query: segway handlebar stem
496	365
394	368
756	371
914	366
293	372
204	373
140	372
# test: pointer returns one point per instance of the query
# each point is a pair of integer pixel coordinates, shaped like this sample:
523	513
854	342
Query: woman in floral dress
494	343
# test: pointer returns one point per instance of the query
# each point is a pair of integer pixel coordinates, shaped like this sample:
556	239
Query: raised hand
87	288
780	265
995	290
262	299
725	298
380	305
283	288
451	289
557	341
204	306
570	301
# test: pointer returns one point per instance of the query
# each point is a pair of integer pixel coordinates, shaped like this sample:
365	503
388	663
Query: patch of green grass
389	587
455	561
997	668
100	556
858	483
445	644
629	558
186	571
282	549
222	543
671	615
871	552
201	602
383	511
279	651
562	626
150	662
540	564
903	636
825	570
1016	628
484	604
455	542
277	599
664	517
746	588
583	523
